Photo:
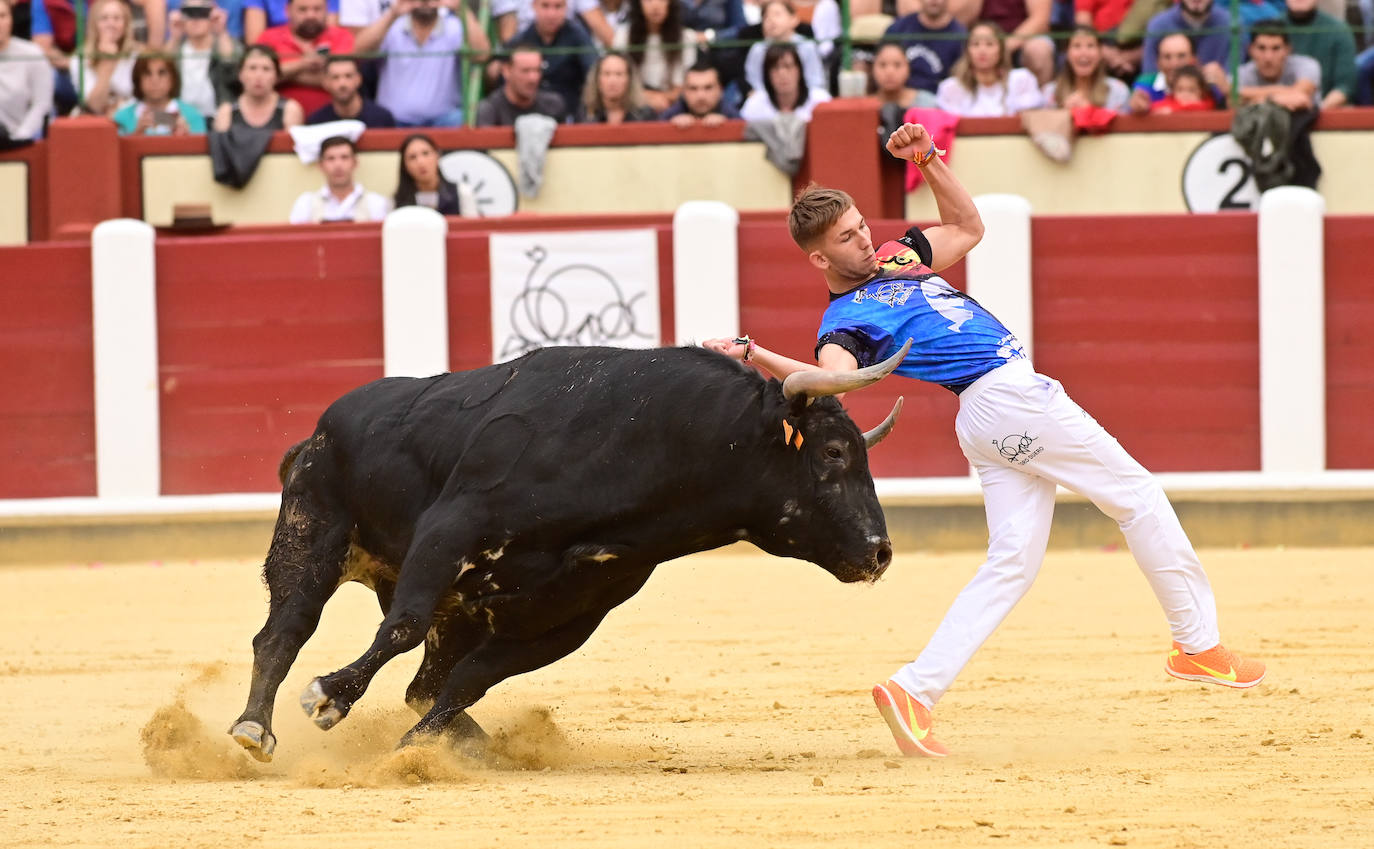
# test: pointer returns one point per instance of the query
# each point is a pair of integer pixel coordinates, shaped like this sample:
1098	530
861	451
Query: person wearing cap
207	54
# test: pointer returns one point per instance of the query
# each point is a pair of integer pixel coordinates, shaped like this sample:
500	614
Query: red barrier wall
256	336
1152	325
1349	343
47	372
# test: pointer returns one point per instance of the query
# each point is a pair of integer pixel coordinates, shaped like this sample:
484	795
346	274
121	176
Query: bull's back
565	416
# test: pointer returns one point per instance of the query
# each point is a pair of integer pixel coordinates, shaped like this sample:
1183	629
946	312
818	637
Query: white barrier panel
999	267
414	293
1292	331
128	459
705	271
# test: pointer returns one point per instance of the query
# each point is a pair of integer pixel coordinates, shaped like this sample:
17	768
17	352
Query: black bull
500	514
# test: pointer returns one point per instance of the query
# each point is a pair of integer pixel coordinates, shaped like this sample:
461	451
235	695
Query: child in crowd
1188	93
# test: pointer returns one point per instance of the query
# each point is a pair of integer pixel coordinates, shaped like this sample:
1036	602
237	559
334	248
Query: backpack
1262	131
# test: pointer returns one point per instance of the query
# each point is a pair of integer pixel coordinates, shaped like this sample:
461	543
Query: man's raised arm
960	225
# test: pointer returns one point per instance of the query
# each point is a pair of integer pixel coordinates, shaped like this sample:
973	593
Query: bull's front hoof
321	709
259	742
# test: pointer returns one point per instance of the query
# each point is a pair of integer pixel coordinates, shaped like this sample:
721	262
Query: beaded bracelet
924	160
748	346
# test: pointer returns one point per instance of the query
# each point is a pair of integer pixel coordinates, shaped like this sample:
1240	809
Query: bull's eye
834	452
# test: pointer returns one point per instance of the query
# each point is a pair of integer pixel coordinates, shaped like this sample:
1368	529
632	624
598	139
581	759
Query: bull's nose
882	557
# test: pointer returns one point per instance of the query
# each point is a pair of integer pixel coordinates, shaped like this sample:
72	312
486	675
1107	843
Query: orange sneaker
1217	665
909	720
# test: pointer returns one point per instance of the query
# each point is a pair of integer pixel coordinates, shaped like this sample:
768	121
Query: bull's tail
289	458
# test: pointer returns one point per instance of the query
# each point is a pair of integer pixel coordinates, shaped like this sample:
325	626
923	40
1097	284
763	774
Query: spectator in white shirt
104	73
25	83
785	89
341	198
780	24
983	83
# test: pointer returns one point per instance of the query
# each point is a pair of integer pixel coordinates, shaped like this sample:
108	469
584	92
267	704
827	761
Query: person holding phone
156	109
207	54
303	43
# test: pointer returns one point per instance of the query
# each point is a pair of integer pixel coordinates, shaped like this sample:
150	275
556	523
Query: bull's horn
818	382
877	434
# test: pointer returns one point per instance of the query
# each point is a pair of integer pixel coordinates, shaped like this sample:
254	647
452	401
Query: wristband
924	159
748	346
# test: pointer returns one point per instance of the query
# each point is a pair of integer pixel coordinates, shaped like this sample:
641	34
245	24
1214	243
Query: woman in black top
259	106
420	182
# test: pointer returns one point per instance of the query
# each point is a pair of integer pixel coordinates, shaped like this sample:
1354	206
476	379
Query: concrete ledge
241	526
1209	523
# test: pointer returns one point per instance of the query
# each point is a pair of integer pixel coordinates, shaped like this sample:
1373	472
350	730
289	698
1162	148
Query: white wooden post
414	293
705	271
999	267
128	445
1292	331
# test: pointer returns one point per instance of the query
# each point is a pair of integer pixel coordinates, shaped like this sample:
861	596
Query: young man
341	198
344	82
879	298
521	94
701	101
1276	73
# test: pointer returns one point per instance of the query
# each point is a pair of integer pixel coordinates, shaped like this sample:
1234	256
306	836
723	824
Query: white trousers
1023	435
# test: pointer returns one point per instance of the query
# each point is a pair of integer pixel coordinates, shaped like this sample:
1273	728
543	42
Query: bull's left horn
818	382
879	433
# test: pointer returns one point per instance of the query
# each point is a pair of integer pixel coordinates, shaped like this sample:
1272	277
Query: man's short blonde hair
813	213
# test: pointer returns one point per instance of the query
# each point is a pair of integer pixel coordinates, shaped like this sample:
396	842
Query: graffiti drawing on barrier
574	289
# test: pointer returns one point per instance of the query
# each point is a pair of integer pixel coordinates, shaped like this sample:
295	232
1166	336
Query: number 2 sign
1218	177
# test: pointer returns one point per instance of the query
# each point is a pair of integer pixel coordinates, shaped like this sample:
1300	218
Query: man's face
1175	51
1197	8
338	164
198	25
1301	7
932	9
1268	53
341	80
425	12
524	74
6	23
701	92
307	18
549	16
846	249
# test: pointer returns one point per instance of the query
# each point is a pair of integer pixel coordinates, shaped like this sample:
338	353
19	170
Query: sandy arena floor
726	705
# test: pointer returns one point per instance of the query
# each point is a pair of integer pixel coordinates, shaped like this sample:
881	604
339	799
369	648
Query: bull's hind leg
303	569
430	568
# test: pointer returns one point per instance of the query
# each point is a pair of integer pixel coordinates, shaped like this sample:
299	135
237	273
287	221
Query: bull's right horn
879	433
818	382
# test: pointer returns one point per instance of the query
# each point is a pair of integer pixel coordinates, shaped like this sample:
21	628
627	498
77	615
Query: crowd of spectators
180	66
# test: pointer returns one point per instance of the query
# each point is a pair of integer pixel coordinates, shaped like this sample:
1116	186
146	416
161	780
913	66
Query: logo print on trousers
1016	448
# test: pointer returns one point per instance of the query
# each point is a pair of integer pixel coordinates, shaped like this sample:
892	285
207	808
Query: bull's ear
797	405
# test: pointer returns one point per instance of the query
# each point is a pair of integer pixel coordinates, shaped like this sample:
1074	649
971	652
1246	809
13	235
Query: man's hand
1140	102
683	119
727	346
909	141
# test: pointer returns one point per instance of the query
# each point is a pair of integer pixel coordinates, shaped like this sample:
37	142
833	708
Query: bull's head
835	519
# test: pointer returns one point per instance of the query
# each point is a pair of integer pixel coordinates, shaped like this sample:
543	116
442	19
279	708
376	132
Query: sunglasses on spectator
195	12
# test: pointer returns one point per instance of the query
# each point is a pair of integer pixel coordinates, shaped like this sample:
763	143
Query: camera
196	13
